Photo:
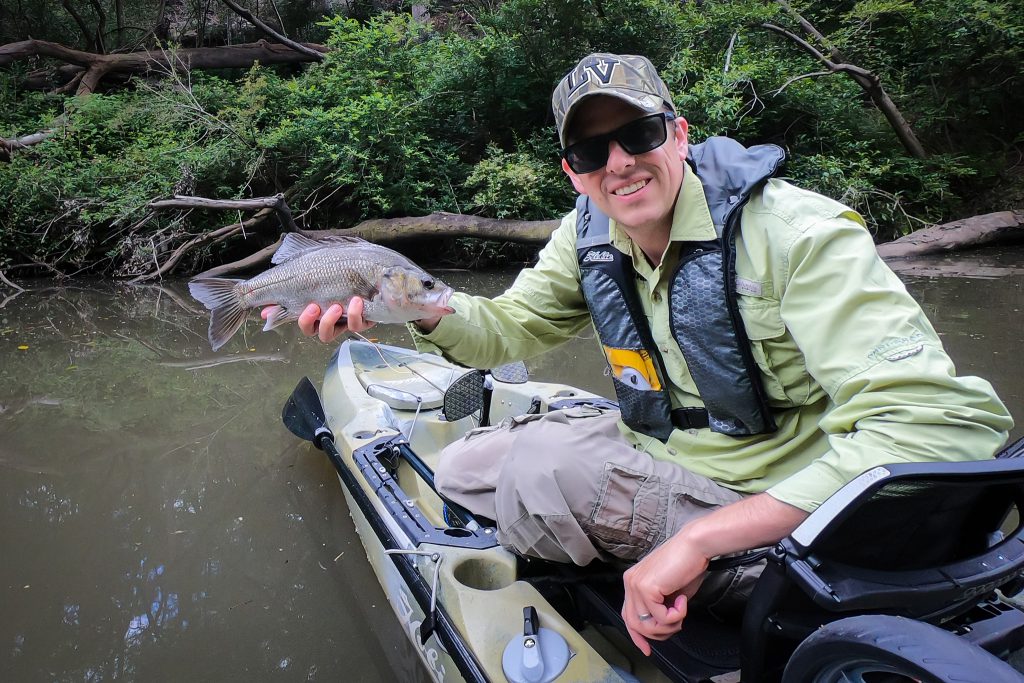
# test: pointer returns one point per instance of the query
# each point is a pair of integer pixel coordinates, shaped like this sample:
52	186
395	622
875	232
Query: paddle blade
303	414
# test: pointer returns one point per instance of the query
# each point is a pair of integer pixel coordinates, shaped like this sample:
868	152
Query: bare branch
82	26
277	203
255	21
728	52
793	80
214	237
9	283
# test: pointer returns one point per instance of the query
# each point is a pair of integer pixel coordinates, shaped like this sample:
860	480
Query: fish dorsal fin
295	245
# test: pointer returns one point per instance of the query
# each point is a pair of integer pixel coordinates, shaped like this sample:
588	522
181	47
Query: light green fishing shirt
852	367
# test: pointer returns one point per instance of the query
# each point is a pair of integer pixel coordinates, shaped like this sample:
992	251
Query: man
763	356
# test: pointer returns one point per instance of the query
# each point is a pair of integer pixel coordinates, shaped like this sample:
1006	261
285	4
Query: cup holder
484	575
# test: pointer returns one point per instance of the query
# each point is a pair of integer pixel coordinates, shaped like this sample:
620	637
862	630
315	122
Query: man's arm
662	582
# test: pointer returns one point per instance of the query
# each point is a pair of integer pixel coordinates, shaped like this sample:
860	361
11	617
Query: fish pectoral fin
279	315
365	290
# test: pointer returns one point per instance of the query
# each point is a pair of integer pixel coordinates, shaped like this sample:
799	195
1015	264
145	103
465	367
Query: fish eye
428	284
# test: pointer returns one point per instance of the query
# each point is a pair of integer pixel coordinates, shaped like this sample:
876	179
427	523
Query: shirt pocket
782	364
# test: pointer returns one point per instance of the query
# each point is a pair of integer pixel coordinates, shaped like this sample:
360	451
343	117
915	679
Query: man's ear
573	177
682	129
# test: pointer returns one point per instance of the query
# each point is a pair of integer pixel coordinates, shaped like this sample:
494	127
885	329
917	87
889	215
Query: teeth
630	189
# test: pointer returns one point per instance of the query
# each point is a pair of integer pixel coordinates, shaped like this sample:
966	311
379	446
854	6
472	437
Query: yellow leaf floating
23	347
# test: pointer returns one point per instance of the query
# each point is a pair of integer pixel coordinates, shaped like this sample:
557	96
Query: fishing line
435	557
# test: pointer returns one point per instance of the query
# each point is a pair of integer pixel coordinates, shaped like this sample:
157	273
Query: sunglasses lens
587	156
636	137
643	135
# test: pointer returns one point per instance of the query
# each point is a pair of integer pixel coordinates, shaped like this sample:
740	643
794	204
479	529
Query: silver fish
324	272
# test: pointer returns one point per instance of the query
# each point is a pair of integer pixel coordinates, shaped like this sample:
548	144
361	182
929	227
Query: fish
324	272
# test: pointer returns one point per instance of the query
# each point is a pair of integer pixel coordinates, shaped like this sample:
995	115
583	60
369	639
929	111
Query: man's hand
659	586
336	320
333	322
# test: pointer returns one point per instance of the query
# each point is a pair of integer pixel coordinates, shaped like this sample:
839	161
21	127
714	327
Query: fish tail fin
227	313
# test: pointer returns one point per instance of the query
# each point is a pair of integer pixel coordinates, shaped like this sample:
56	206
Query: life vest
704	316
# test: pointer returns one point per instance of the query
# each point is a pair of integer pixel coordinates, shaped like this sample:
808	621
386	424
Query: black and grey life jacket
704	315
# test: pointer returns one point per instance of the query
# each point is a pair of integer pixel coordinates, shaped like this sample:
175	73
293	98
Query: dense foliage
405	117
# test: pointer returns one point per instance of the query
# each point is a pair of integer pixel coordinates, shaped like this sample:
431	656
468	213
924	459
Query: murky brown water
159	524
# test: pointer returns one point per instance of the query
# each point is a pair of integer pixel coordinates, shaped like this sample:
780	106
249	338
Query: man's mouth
630	189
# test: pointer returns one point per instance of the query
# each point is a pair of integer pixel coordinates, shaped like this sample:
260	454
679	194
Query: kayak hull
470	579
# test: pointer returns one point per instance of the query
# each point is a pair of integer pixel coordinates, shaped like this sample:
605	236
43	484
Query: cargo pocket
629	516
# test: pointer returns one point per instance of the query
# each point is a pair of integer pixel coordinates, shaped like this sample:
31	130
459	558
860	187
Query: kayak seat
924	541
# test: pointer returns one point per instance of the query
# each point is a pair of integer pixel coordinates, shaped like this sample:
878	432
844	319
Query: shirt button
657	297
672	451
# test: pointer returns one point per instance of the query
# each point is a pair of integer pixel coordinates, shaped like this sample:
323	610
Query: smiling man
762	356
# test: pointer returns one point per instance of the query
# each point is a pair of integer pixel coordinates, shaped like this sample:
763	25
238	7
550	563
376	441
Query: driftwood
989	228
92	67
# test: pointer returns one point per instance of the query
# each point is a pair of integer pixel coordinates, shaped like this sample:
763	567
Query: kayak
477	612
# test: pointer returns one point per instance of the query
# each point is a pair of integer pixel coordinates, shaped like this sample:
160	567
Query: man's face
638	191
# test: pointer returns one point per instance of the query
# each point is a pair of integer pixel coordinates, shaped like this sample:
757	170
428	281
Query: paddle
304	416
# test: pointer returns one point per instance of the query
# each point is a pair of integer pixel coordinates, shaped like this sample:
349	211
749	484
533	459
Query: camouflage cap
630	78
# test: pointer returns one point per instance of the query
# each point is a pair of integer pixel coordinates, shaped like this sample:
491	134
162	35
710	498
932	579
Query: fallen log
393	230
442	224
1002	227
96	65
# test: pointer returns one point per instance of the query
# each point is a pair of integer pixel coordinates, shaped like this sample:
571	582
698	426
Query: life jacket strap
690	418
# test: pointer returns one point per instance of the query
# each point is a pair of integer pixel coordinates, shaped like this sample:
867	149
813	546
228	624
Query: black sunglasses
636	137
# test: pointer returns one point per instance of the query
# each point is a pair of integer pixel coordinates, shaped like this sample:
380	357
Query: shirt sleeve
895	395
543	308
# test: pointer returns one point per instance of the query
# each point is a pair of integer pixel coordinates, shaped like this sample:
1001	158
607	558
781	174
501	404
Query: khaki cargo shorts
566	486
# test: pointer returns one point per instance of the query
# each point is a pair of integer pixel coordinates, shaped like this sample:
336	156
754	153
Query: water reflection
158	523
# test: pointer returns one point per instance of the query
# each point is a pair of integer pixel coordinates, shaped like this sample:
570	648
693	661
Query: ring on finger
644	617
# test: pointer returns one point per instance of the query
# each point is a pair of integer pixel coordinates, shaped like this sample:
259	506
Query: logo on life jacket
599	256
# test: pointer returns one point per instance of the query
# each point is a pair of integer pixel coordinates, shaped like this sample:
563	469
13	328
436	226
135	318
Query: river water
159	524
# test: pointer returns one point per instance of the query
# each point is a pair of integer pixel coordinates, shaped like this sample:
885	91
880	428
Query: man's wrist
427	325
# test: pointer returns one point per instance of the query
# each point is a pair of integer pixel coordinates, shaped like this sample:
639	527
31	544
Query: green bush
520	184
403	118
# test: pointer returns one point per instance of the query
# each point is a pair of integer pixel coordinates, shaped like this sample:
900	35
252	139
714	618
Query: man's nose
618	158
